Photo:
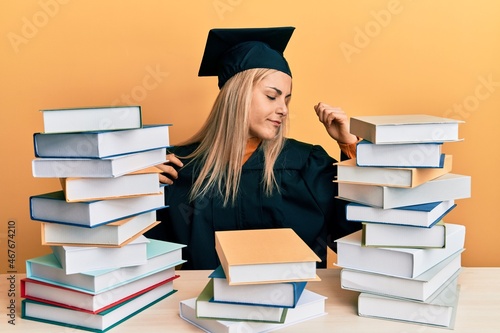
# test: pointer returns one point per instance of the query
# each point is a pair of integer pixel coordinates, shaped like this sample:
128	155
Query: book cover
422	215
86	302
161	256
447	187
99	322
265	256
399	155
390	235
79	259
114	234
419	288
311	305
284	294
400	262
101	144
405	128
115	166
91	118
206	308
440	310
53	207
349	172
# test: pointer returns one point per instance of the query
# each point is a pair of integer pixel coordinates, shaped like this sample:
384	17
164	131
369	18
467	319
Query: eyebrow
278	91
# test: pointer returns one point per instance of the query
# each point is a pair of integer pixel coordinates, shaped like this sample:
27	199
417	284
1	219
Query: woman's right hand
169	169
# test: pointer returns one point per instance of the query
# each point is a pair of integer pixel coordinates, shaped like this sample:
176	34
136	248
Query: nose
282	109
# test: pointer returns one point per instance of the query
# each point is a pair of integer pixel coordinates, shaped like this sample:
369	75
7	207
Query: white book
405	128
400	262
422	215
112	234
79	259
52	207
447	187
349	172
440	310
45	167
161	256
141	182
100	144
390	235
91	119
310	305
419	288
404	155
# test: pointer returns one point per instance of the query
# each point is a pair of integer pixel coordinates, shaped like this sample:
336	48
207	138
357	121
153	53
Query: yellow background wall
369	57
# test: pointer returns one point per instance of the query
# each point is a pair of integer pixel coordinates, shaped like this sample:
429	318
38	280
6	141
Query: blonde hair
223	138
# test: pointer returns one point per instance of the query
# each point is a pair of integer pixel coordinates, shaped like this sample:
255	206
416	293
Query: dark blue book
285	294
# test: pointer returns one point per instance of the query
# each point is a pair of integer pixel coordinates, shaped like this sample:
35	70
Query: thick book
400	262
64	120
208	309
101	144
419	288
99	322
311	305
440	310
142	182
265	256
114	234
405	128
45	167
390	235
285	294
422	215
161	256
399	155
447	187
349	172
79	259
53	207
86	302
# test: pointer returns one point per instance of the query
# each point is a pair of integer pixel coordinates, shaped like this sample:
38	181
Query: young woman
240	171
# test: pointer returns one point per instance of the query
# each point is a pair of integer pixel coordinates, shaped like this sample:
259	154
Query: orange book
265	256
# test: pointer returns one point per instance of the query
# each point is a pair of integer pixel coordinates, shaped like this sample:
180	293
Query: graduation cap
230	51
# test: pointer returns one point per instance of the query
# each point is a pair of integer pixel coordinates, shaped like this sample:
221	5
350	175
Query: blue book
53	207
423	215
285	294
161	256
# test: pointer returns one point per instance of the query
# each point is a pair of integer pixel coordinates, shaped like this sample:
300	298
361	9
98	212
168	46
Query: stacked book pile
260	284
102	269
405	260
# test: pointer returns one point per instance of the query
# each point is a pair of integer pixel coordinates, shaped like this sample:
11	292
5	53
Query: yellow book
265	256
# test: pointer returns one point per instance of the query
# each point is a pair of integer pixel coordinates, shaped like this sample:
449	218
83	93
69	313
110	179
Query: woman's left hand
336	123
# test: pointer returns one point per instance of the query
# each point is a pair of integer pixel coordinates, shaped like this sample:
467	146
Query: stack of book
405	260
260	284
102	269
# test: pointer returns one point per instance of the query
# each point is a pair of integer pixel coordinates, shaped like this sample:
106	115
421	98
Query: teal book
285	294
98	322
161	256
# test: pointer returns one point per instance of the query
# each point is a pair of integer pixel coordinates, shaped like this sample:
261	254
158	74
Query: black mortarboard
230	51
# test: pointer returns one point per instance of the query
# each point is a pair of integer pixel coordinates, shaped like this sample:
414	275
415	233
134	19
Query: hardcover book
265	256
52	207
390	235
100	144
349	172
115	166
400	262
91	119
284	294
405	128
422	215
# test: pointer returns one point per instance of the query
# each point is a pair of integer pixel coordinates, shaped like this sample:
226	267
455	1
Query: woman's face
269	105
